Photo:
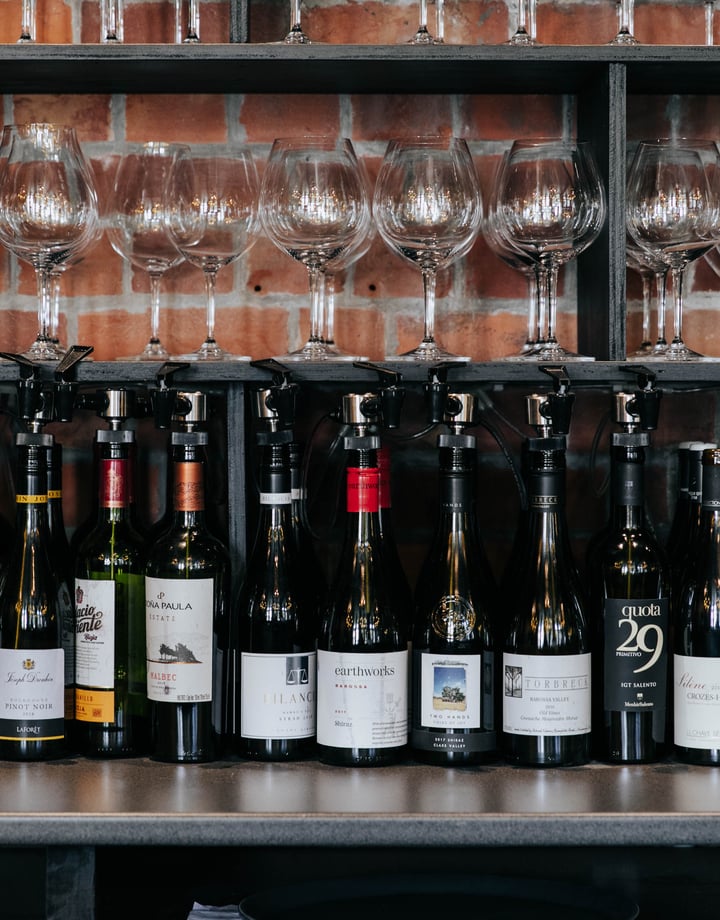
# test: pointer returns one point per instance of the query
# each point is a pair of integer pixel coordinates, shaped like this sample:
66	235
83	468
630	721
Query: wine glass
673	212
137	225
212	207
649	268
525	32
626	14
314	204
112	21
48	209
551	205
428	209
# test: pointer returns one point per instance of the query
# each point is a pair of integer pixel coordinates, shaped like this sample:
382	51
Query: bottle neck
31	503
457	489
710	504
188	486
114	482
628	487
276	495
362	496
546	494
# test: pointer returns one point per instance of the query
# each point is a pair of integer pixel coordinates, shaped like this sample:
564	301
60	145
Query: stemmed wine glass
649	268
673	212
212	208
551	205
48	209
137	225
428	209
314	205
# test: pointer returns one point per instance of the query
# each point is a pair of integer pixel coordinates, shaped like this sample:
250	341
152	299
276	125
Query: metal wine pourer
639	411
364	412
457	411
550	413
274	406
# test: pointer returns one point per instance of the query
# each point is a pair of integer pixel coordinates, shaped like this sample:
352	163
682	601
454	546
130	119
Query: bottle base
361	757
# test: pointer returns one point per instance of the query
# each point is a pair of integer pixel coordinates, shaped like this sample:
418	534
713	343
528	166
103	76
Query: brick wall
262	300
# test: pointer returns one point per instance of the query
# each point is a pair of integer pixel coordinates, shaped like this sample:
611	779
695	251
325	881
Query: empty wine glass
212	207
314	204
137	225
48	209
626	24
673	212
428	209
551	205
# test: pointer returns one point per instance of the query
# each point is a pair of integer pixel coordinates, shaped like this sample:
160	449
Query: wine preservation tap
363	640
453	707
547	642
629	595
275	612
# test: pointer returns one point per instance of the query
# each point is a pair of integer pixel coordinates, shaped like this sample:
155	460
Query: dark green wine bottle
453	648
186	597
629	594
111	699
32	661
363	643
277	640
546	660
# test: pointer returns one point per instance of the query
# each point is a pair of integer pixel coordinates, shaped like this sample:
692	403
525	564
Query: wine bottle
400	581
453	710
546	659
696	634
629	591
111	699
277	641
363	644
186	585
32	667
683	554
681	512
314	583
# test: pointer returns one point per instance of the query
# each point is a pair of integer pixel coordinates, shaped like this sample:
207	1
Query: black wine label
711	487
636	656
546	490
456	493
628	486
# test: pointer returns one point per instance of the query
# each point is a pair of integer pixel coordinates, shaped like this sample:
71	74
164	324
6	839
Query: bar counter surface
238	803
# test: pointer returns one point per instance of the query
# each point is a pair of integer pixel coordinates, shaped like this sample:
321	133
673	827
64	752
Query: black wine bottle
682	554
61	559
453	717
111	697
696	634
682	510
277	641
32	665
363	643
546	658
629	594
186	585
400	581
314	584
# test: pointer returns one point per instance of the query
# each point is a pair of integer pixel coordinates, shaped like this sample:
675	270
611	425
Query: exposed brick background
262	299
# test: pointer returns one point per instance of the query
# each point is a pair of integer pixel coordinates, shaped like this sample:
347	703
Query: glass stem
295	14
178	21
44	303
193	29
55	306
522	21
210	278
709	26
532	308
542	300
440	21
552	280
532	19
678	276
626	17
111	21
28	25
315	280
647	302
155	308
429	278
661	292
329	318
422	25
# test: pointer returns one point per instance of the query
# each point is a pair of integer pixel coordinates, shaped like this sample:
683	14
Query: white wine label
450	691
362	699
95	633
546	694
32	694
277	695
697	702
179	631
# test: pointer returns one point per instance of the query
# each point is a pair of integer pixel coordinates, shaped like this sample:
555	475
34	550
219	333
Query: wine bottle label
696	702
275	498
628	484
94	648
54	494
114	483
635	663
31	499
546	694
179	629
189	487
277	695
363	489
362	699
455	695
32	694
384	485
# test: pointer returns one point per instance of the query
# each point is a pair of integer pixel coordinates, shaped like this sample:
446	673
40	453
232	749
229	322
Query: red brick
198	118
89	115
266	117
660	24
19	328
500	117
272	272
382	117
360	331
577	23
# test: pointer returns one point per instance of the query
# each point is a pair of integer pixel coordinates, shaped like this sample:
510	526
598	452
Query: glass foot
422	37
523	39
43	349
311	351
552	351
211	351
679	351
153	351
335	354
296	36
624	38
429	351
